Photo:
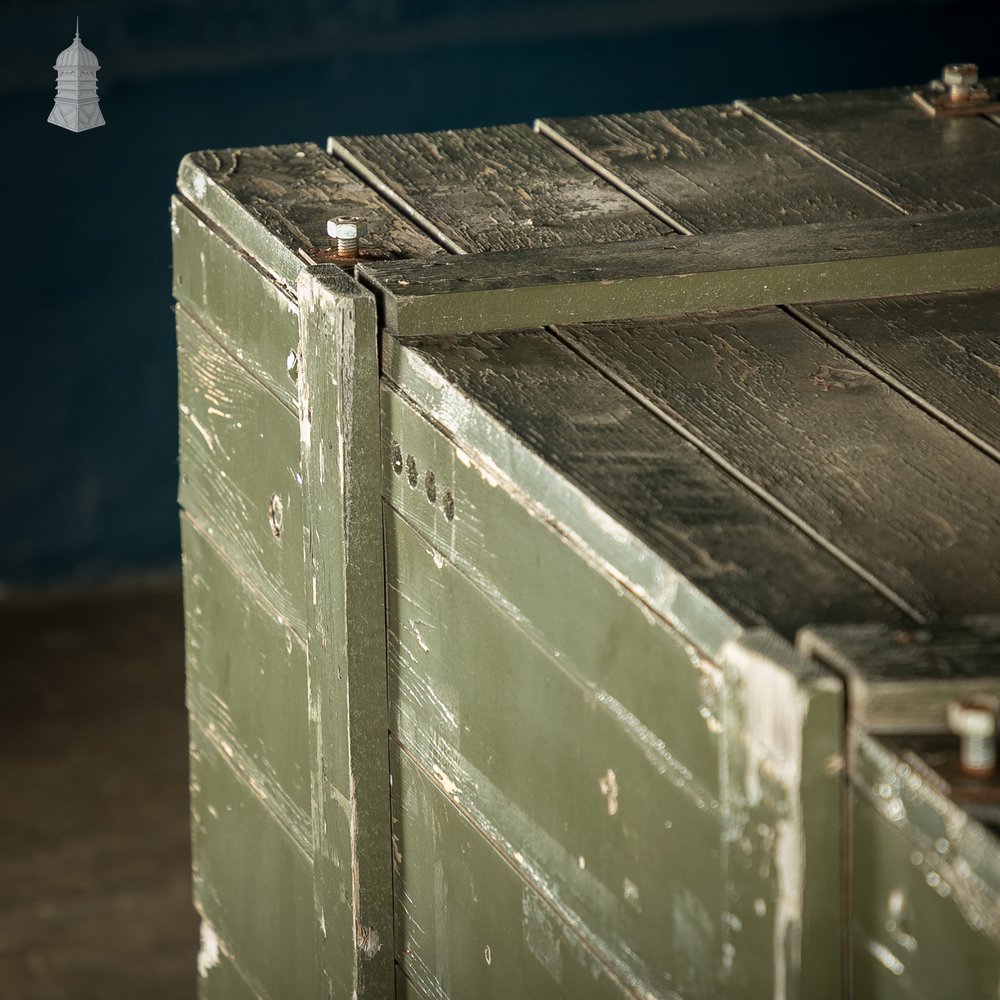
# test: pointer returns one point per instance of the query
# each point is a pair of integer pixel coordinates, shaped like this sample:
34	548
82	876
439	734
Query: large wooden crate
576	583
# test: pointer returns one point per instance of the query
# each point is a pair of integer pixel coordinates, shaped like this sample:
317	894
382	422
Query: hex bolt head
345	234
960	78
974	721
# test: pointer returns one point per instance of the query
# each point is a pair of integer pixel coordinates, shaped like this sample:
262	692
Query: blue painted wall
88	384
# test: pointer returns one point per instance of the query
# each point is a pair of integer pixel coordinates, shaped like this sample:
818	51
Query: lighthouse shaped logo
76	106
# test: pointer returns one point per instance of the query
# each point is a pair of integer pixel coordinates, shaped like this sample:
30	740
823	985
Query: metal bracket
957	94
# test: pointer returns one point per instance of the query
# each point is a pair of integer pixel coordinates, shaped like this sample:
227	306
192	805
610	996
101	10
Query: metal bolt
960	78
974	721
345	234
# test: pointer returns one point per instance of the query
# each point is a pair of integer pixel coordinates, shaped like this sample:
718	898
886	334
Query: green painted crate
577	577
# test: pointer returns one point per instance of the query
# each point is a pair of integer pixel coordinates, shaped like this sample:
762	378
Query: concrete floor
94	851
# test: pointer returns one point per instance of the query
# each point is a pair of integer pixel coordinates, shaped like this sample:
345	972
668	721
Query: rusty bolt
960	78
974	721
345	234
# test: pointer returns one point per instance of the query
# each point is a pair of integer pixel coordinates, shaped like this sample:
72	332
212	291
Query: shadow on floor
94	845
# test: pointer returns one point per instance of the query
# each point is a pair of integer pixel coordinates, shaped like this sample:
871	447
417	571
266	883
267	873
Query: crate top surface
794	461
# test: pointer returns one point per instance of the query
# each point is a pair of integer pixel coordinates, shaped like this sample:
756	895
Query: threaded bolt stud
974	721
345	234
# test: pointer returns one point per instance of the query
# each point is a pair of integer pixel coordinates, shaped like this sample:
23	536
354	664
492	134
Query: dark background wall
88	453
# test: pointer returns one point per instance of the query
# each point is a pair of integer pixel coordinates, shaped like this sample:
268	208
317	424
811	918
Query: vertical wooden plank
782	791
339	415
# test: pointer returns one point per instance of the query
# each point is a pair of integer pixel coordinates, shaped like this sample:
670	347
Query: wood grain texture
246	679
611	643
941	351
713	169
503	188
250	879
901	499
881	139
901	680
925	911
239	449
610	830
275	201
466	924
658	513
684	274
230	296
339	421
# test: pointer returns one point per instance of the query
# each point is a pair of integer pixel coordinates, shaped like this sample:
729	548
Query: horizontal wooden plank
891	492
590	800
228	294
653	510
812	263
275	201
925	876
901	680
503	188
250	879
246	678
239	450
942	351
466	924
712	169
882	140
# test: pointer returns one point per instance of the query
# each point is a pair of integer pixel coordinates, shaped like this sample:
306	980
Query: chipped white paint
208	952
630	893
608	784
199	185
488	955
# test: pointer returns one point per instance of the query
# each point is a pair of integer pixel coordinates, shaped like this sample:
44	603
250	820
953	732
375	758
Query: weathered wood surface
685	274
658	513
942	351
882	140
240	450
901	680
926	888
504	188
246	679
252	883
218	976
896	496
339	419
608	639
611	830
230	296
466	924
275	201
712	169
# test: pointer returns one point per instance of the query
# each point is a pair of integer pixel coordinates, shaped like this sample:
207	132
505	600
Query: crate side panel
878	481
943	351
246	676
591	799
466	924
886	143
714	169
223	289
252	882
503	188
239	451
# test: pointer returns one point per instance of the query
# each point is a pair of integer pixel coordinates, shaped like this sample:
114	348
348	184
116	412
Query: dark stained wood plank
503	188
712	169
901	680
912	161
942	351
345	614
808	263
239	450
275	202
656	511
909	505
